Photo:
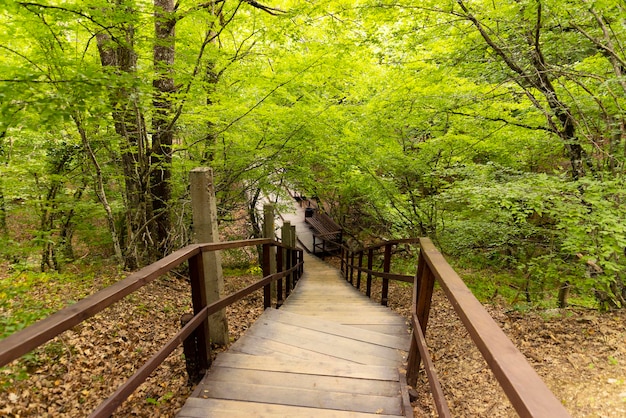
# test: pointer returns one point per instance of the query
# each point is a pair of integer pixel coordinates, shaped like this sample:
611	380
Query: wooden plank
340	369
390	329
222	408
333	328
332	345
346	318
234	376
348	308
305	397
330	302
260	346
331	293
345	309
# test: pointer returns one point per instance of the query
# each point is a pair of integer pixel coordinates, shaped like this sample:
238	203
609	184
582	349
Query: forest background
497	130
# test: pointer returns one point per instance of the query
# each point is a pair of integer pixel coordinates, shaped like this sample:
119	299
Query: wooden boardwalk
327	352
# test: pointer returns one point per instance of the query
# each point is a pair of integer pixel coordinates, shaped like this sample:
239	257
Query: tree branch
496	48
107	29
506	121
271	10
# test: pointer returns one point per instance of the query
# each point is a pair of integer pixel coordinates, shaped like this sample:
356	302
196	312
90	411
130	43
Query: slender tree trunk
163	133
120	57
101	190
4	230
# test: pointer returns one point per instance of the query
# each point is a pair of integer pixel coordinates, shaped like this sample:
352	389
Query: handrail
528	394
348	267
21	342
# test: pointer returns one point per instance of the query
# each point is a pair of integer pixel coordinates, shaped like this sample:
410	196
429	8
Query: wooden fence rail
529	395
196	328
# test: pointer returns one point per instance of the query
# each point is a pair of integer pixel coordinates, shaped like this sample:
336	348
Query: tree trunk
564	294
163	133
128	118
100	189
538	76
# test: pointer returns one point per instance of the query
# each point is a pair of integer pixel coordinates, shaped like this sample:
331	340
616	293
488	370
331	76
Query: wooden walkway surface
327	352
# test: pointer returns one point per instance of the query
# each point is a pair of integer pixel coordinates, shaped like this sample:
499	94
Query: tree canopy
497	130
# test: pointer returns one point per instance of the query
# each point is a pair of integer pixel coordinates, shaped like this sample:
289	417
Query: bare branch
271	10
505	121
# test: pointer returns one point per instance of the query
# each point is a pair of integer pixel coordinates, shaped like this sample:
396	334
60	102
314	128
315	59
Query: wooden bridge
327	351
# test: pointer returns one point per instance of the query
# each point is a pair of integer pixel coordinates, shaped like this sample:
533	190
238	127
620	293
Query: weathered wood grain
214	408
328	352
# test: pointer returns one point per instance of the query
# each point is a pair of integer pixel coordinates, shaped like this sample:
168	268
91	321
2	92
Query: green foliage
24	299
402	119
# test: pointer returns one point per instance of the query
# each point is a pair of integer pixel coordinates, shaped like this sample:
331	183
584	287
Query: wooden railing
368	256
196	328
529	395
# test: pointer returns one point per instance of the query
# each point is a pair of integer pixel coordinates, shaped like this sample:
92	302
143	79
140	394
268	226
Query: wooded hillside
497	130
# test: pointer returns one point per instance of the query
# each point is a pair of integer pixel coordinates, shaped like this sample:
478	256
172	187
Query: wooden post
384	298
342	269
267	270
423	287
280	267
204	211
285	235
358	275
370	263
197	346
352	268
269	231
294	257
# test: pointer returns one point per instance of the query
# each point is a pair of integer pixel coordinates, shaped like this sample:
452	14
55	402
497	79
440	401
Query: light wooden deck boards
328	352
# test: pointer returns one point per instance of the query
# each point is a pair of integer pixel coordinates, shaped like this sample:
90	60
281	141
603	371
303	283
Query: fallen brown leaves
579	353
72	374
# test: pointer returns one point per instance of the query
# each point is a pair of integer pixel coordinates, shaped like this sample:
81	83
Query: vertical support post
384	298
358	274
423	287
267	270
204	212
280	262
370	263
196	347
352	268
294	257
269	231
285	234
342	269
426	285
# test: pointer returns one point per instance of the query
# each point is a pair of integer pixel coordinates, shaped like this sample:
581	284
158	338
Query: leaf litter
580	354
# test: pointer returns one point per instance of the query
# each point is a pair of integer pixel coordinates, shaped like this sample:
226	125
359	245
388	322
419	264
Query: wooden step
316	368
260	346
340	347
220	408
332	328
234	376
322	398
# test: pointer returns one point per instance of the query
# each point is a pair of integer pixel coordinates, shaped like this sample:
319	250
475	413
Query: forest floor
581	355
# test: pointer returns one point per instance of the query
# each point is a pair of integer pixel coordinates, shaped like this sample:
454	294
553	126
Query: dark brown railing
528	394
370	255
196	328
